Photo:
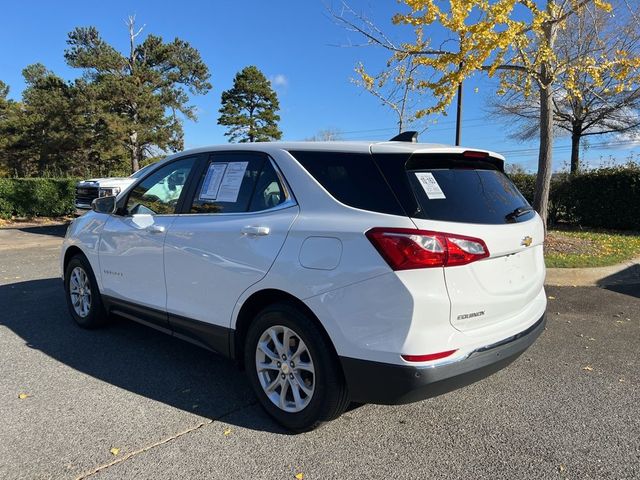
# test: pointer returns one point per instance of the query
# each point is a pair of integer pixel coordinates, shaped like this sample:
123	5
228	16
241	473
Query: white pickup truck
88	190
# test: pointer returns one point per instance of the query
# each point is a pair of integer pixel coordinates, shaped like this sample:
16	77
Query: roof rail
408	136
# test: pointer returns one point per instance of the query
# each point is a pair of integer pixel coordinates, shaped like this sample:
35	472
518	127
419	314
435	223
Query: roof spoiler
409	136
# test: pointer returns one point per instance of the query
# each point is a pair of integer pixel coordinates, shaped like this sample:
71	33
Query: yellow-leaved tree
514	39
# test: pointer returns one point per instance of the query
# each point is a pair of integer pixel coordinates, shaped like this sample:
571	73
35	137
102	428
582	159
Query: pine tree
145	91
249	108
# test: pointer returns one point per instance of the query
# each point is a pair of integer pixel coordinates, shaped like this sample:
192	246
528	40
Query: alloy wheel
285	368
80	291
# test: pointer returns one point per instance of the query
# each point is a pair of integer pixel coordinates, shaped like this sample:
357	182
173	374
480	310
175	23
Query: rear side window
238	182
352	179
457	190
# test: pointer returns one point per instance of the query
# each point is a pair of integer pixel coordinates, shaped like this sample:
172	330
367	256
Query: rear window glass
455	190
352	179
469	196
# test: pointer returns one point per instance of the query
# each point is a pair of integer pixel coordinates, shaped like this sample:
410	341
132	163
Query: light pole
459	113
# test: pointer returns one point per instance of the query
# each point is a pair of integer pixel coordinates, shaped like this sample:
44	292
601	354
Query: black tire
330	396
96	316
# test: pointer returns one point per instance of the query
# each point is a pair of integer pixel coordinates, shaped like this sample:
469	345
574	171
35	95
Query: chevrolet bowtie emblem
526	241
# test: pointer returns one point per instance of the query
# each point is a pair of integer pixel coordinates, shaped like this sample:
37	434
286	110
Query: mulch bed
34	222
558	243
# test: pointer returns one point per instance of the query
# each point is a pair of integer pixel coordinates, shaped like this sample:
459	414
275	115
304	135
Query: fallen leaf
621	380
115	451
227	432
588	368
300	476
562	468
22	396
551	297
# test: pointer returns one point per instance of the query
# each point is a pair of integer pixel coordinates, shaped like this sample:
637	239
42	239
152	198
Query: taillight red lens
405	248
428	357
465	250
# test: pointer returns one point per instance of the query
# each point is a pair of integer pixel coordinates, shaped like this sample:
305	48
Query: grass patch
573	249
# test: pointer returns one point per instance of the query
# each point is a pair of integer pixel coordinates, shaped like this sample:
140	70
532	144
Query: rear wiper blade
518	212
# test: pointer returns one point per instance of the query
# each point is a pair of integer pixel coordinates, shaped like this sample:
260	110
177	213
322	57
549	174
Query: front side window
158	194
238	182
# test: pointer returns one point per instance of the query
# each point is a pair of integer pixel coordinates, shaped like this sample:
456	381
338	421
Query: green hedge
601	198
35	197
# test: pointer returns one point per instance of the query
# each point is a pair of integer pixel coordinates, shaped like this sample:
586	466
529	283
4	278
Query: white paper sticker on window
430	185
212	181
232	181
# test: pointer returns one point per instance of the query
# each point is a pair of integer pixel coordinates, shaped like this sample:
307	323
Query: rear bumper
384	383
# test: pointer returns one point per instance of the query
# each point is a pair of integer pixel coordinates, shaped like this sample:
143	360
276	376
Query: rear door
470	196
227	238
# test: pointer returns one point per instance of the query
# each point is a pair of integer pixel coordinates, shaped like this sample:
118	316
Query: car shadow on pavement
132	357
626	281
632	290
57	230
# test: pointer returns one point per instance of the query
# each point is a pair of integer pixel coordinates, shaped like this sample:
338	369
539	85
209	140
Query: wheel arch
71	252
258	301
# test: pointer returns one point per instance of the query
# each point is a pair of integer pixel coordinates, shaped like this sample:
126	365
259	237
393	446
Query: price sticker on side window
430	185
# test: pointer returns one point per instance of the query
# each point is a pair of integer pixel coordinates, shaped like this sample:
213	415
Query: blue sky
294	43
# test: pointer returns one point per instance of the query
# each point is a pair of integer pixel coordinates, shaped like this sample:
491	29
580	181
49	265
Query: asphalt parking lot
568	408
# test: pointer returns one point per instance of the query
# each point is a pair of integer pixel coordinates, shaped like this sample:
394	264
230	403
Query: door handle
155	229
255	231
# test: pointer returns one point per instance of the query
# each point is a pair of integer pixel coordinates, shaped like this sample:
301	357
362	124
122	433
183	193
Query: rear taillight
405	248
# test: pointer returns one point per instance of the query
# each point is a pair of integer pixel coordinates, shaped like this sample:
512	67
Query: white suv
332	272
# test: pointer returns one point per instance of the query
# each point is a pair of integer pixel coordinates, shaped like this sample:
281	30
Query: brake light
428	357
474	154
406	248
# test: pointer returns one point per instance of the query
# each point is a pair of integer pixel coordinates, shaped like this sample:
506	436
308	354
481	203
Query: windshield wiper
518	212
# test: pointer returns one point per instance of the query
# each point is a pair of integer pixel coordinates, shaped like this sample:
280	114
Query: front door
227	239
131	244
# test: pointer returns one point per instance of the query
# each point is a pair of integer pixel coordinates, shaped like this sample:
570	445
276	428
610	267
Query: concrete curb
626	273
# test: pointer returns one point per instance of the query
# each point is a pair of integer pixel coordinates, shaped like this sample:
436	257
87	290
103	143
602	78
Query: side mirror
104	205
